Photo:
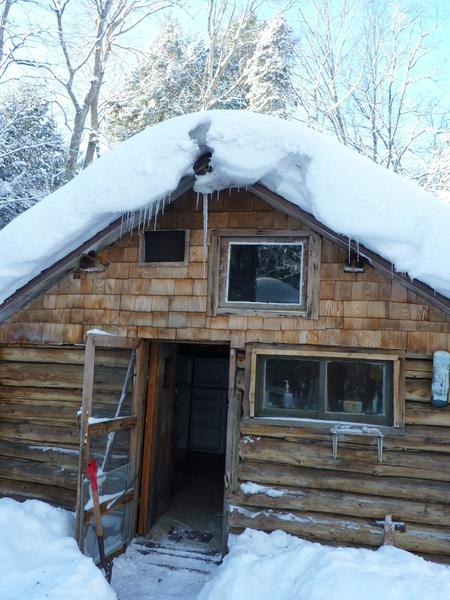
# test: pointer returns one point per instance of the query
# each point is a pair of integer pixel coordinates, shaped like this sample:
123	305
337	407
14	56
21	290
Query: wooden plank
232	437
136	440
149	425
86	409
106	426
313	286
110	505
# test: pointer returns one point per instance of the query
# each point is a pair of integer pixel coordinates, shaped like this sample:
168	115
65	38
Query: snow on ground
344	190
279	566
39	558
163	575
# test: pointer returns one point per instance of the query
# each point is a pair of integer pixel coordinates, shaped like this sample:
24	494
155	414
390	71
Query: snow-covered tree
32	154
245	65
268	74
364	74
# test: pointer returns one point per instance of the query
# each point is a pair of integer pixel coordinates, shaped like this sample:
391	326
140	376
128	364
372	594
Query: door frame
134	423
231	435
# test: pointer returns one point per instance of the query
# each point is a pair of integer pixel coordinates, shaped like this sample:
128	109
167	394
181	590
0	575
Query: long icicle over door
110	432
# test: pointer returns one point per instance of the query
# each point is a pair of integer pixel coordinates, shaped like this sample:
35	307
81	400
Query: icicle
156	214
121	225
150	214
229	192
197	200
205	231
349	249
357	251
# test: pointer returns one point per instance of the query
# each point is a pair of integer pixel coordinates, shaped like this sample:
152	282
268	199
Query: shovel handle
92	474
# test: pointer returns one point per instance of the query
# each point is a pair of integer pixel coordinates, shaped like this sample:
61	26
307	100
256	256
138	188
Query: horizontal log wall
40	395
365	310
302	489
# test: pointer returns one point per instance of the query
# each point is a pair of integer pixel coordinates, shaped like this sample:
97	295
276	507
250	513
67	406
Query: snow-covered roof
343	190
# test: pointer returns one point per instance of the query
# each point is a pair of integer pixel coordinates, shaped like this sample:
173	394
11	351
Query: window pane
290	384
265	273
164	246
355	387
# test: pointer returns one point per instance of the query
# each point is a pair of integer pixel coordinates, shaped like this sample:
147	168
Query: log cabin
228	304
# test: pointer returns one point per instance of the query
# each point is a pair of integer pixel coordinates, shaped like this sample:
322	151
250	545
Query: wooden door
157	463
111	432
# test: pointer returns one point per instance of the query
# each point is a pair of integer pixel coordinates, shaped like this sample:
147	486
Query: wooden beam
148	439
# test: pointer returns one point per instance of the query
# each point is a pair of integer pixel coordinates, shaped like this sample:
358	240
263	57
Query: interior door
110	432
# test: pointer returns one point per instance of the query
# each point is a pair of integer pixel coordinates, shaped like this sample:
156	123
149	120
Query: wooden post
148	439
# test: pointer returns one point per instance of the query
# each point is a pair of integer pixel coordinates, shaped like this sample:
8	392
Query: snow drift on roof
342	189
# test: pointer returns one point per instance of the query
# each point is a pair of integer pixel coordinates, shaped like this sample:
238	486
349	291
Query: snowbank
39	558
344	190
279	566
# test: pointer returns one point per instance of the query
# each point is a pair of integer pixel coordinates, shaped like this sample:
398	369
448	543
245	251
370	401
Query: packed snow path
161	573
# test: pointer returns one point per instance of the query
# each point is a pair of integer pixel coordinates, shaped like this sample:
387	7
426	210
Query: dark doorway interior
194	514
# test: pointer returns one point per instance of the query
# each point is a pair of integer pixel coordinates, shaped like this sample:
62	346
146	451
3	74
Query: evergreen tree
182	75
31	152
268	73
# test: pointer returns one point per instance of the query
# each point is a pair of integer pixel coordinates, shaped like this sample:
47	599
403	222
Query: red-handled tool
92	475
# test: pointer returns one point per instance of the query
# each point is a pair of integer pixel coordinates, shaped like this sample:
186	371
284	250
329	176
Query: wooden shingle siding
356	309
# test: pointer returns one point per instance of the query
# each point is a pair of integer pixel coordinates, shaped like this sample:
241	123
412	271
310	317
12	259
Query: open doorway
183	478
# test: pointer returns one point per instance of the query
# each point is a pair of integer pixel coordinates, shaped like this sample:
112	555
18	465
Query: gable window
166	246
266	274
331	386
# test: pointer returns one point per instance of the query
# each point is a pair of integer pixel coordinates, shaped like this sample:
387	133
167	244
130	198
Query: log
58	376
357	483
63	355
349	504
420	414
418	390
37	432
430	438
30	471
326	529
51	414
21	490
40	393
66	457
420	465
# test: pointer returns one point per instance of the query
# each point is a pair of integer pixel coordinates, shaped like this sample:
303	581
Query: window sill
318	424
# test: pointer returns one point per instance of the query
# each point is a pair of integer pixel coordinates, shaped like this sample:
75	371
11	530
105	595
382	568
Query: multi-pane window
324	387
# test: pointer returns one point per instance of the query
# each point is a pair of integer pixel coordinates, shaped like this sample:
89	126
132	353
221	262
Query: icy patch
40	559
281	566
250	489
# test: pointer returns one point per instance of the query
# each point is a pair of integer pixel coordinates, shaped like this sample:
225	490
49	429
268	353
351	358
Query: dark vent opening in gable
164	246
